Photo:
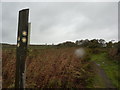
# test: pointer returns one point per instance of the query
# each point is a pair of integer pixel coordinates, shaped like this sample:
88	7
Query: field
51	68
59	67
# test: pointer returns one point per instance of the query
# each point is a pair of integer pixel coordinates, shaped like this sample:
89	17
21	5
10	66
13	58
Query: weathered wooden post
21	51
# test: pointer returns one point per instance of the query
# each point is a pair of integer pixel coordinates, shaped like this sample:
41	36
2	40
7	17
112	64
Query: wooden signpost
21	51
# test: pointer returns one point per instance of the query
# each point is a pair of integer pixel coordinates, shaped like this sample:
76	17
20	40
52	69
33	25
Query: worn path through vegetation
104	81
106	71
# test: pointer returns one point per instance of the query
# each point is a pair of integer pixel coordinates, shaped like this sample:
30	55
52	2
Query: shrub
113	54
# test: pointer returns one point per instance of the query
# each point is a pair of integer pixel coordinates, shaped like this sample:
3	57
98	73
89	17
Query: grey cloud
58	22
0	22
119	21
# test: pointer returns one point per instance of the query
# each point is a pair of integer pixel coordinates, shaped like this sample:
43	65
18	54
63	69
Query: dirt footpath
102	75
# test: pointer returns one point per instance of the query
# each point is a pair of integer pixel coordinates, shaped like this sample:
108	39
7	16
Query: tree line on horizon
94	43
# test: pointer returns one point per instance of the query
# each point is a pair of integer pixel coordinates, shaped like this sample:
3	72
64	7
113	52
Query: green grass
98	82
95	82
109	66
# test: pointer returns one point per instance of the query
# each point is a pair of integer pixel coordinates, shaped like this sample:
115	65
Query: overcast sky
59	22
0	22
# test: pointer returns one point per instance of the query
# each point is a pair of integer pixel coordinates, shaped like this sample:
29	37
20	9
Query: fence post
21	51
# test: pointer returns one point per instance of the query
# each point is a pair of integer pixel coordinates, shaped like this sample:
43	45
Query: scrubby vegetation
56	66
49	68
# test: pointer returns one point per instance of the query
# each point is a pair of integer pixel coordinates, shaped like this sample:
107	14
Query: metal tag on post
21	51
